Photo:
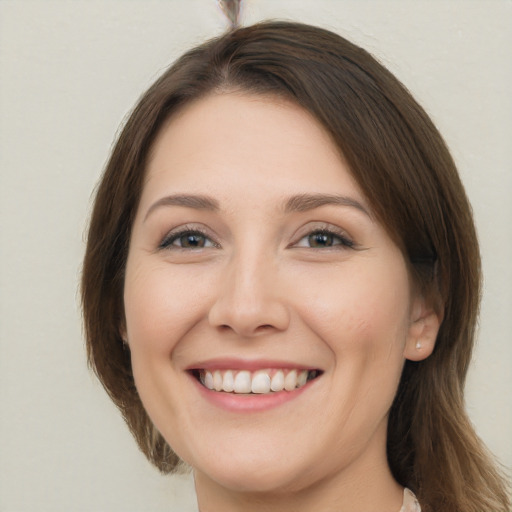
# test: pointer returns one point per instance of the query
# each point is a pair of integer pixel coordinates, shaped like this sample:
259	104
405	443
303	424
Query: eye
324	239
187	239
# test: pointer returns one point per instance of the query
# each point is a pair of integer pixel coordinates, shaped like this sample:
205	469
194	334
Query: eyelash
339	239
168	241
343	242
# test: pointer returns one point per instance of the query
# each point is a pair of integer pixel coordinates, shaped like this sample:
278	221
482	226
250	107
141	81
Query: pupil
192	241
320	240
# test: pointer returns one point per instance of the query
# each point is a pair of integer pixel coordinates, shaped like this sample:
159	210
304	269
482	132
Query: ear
423	328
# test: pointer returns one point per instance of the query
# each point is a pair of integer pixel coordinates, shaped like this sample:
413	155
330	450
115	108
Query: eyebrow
305	202
198	202
297	203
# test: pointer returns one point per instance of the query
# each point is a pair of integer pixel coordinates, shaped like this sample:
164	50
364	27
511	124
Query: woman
281	283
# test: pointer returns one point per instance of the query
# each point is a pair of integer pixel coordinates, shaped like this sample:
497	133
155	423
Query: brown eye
325	239
191	241
187	240
321	240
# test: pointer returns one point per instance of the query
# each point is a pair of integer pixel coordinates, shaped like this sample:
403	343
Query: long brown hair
406	172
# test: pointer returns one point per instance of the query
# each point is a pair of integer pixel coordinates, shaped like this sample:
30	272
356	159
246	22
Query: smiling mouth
261	382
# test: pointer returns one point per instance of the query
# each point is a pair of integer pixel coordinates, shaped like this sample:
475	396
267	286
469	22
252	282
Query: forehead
236	143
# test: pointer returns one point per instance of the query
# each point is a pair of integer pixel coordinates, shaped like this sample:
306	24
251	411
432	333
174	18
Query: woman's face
257	268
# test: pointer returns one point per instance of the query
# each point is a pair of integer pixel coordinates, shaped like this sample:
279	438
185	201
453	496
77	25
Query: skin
259	289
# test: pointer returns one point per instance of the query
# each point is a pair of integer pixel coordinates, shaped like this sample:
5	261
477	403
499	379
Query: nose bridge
248	300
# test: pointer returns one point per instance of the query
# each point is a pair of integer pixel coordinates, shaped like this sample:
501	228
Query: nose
250	300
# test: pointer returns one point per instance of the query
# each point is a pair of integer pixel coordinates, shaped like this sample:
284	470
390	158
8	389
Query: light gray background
69	73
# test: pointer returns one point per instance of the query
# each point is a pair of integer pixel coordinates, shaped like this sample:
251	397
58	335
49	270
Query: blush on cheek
373	331
154	313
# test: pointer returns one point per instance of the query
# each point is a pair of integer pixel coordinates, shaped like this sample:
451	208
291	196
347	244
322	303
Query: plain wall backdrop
70	71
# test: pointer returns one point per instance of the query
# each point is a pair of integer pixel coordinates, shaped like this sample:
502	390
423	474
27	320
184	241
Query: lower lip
251	402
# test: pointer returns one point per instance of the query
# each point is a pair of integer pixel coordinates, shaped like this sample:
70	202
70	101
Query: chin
266	466
254	478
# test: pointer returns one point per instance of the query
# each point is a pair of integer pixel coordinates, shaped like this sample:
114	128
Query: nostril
261	329
265	327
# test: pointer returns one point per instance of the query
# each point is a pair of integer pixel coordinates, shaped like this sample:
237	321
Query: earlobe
421	339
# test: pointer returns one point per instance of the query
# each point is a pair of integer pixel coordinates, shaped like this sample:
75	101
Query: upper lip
247	364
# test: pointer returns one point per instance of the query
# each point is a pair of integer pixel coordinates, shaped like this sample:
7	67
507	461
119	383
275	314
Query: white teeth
302	378
277	383
208	380
228	383
242	382
217	380
260	383
290	381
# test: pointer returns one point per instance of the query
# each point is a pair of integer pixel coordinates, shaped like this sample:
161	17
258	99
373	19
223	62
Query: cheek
161	305
359	308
